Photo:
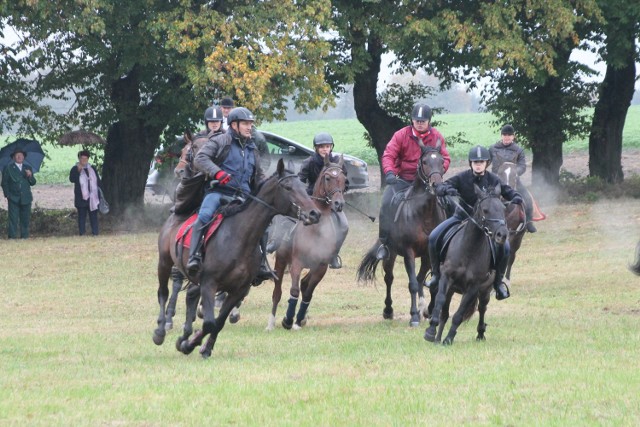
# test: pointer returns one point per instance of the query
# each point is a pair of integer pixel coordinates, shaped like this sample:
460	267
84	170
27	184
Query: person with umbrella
17	180
86	194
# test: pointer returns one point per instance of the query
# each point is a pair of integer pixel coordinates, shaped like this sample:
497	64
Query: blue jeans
209	205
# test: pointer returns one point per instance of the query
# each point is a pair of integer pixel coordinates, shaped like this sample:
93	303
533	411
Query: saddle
455	229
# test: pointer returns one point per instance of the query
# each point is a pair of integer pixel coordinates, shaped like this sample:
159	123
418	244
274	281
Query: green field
77	317
349	138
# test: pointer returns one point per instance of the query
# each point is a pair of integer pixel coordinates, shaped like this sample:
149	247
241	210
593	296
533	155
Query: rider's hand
222	177
517	200
390	178
452	192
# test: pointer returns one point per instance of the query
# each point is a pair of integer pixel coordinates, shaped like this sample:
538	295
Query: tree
141	69
619	50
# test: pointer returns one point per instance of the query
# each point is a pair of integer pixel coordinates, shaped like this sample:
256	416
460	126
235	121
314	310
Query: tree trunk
380	125
605	139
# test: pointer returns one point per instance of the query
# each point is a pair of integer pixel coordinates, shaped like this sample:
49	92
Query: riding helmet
507	130
213	114
226	102
479	153
240	114
322	138
421	111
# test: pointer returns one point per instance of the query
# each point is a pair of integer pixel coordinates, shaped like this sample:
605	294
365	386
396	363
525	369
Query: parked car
162	182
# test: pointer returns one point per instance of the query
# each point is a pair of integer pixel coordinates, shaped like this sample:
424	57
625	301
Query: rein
471	218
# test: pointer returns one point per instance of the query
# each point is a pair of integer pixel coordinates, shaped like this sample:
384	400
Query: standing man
17	180
227	105
400	164
506	150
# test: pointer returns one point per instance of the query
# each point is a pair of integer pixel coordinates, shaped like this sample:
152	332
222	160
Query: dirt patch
61	196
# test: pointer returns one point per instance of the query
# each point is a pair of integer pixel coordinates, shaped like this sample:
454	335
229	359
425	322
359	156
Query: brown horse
515	217
418	214
232	256
467	267
312	247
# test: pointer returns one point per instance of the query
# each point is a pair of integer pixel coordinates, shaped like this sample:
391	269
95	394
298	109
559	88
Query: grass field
77	316
349	138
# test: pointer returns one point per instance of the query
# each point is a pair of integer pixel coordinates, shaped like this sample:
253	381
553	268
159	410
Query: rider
506	150
311	168
462	185
400	164
212	121
231	163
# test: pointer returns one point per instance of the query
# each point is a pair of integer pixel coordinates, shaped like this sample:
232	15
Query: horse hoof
430	336
204	352
168	326
158	338
480	338
447	341
296	327
387	314
414	324
287	324
234	318
303	322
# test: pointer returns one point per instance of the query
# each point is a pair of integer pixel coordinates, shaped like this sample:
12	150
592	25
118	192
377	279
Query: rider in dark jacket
462	185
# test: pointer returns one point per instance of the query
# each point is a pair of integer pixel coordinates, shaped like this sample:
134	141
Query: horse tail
367	269
635	267
471	308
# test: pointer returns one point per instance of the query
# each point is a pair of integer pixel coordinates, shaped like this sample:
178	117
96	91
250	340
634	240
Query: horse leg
387	266
177	278
191	301
444	316
294	292
425	266
207	299
468	299
414	287
483	298
163	294
234	317
215	326
276	296
441	298
309	284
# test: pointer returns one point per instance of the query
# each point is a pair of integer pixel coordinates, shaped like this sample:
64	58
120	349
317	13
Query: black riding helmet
421	111
479	153
323	138
240	114
212	114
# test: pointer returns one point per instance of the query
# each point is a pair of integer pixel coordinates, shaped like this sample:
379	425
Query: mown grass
77	316
476	128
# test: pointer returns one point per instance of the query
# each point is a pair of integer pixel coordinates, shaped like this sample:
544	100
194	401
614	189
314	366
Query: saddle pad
184	232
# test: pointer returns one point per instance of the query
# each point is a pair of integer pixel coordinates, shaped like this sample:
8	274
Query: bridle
329	194
484	221
426	178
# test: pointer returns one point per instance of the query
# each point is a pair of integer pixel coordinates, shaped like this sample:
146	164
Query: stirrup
502	291
193	265
382	252
336	262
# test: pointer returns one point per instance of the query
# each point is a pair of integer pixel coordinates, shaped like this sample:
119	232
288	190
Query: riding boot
336	262
265	272
435	266
528	215
195	255
501	288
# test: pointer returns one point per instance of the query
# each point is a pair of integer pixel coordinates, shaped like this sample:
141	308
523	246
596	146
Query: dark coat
74	176
15	184
311	167
513	153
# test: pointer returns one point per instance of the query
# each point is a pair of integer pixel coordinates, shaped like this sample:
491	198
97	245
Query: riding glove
390	178
517	200
222	177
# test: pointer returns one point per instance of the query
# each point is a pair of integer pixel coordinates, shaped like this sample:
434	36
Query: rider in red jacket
400	164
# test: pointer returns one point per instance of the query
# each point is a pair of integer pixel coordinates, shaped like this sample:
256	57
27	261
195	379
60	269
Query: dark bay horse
231	259
514	215
467	267
418	214
312	247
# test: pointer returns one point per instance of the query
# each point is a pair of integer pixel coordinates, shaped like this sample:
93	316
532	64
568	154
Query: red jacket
403	152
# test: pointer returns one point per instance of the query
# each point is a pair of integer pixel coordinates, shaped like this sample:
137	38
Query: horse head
507	174
331	184
431	166
288	196
489	214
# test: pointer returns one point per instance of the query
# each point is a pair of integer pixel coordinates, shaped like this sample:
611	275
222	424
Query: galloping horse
231	258
312	247
514	215
467	267
418	214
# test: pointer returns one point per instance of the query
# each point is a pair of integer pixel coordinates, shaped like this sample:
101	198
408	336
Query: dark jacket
311	167
74	176
464	181
513	153
227	152
15	184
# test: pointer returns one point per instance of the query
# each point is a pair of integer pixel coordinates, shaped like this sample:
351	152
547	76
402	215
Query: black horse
467	267
231	259
418	214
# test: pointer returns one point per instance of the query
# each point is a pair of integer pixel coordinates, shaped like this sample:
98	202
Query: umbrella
33	153
80	137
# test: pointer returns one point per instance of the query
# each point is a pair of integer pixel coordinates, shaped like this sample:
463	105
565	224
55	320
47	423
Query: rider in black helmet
462	185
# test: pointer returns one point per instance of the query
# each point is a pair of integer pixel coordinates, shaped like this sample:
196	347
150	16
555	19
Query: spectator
17	180
86	197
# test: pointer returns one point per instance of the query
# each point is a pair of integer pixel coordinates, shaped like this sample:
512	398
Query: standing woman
86	198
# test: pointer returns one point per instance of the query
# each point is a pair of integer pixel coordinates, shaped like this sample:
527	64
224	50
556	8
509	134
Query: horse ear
280	167
291	166
498	190
188	137
438	144
478	191
341	161
327	160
